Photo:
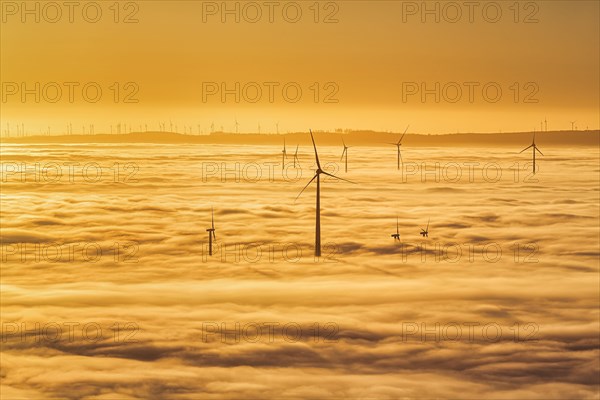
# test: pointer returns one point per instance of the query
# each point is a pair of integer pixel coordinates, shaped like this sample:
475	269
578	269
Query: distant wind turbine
318	208
345	153
236	125
396	235
425	232
211	231
534	149
572	125
398	144
296	160
284	155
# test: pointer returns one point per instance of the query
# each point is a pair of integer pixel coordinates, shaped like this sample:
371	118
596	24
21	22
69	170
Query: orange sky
368	57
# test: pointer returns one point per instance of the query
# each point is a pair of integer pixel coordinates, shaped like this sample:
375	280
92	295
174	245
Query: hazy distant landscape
369	138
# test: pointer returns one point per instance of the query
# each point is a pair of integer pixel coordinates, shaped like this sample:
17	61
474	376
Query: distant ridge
364	138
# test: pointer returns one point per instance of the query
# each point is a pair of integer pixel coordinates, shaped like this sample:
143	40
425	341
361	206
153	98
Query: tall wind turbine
211	231
534	149
398	144
318	208
296	160
284	155
345	153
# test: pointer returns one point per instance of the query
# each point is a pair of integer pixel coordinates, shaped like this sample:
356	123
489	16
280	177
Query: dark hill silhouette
355	138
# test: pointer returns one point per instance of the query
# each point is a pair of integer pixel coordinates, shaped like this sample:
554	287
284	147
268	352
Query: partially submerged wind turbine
398	144
534	149
396	235
284	155
296	157
425	232
211	231
345	153
318	208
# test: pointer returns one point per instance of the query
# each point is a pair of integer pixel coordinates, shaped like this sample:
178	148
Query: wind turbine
425	232
211	231
296	156
277	127
398	144
534	149
396	235
318	208
572	125
284	155
236	126
345	153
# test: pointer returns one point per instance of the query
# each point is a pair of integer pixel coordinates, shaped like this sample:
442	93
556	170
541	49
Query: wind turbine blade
214	235
427	229
397	227
404	133
212	217
395	144
337	177
400	155
343	142
296	154
538	150
303	189
526	148
343	152
315	147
